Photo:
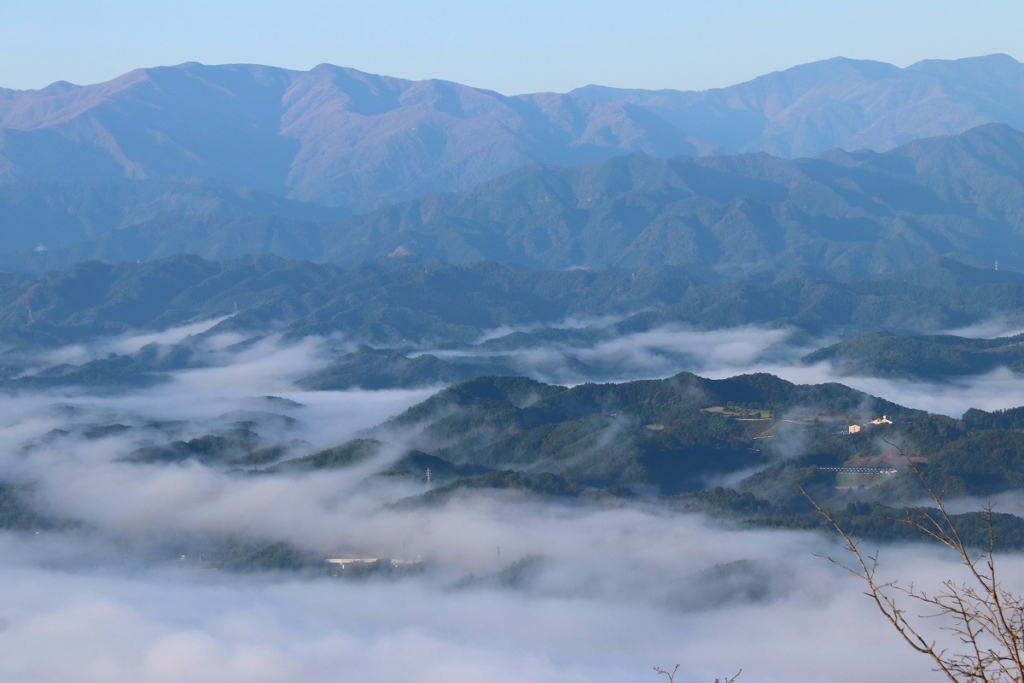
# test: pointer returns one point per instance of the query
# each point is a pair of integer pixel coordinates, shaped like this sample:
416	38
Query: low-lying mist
605	616
665	351
513	587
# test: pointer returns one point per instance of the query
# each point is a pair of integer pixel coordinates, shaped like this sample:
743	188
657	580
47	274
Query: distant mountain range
341	137
845	103
845	215
44	215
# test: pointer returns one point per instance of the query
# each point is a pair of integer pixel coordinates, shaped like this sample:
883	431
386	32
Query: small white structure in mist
346	562
877	422
366	563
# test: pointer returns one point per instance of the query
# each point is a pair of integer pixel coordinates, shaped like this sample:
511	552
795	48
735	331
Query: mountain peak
340	136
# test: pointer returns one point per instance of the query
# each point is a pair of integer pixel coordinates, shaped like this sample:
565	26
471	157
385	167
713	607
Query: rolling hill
930	357
409	303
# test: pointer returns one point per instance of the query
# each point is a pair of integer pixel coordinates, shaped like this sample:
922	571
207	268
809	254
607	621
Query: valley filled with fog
120	571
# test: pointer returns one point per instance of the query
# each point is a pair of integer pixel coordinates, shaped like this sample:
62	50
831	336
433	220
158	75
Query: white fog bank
601	594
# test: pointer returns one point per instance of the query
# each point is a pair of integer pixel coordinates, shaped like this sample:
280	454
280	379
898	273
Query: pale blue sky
510	46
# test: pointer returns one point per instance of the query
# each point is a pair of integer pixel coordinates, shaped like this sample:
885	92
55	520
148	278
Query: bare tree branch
985	622
671	675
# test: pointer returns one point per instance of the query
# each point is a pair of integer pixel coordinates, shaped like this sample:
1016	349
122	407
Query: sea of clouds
604	592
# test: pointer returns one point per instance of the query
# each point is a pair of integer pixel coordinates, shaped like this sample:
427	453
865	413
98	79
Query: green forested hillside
410	322
851	215
886	354
679	435
669	434
396	299
676	441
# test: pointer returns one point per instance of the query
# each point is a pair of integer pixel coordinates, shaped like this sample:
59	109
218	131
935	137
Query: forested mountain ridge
677	436
843	215
931	357
670	434
408	301
342	137
852	215
845	103
40	216
331	135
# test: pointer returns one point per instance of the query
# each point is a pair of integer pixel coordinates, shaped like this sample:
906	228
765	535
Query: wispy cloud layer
516	589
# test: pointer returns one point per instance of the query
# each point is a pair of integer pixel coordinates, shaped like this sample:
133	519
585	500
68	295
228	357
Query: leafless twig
984	622
671	675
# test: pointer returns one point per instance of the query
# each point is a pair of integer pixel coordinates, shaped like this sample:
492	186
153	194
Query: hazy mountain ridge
407	323
929	357
333	135
847	215
851	214
342	137
59	215
839	102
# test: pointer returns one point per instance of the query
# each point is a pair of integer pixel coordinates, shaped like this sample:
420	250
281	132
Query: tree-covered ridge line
343	137
399	299
669	442
930	357
844	215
